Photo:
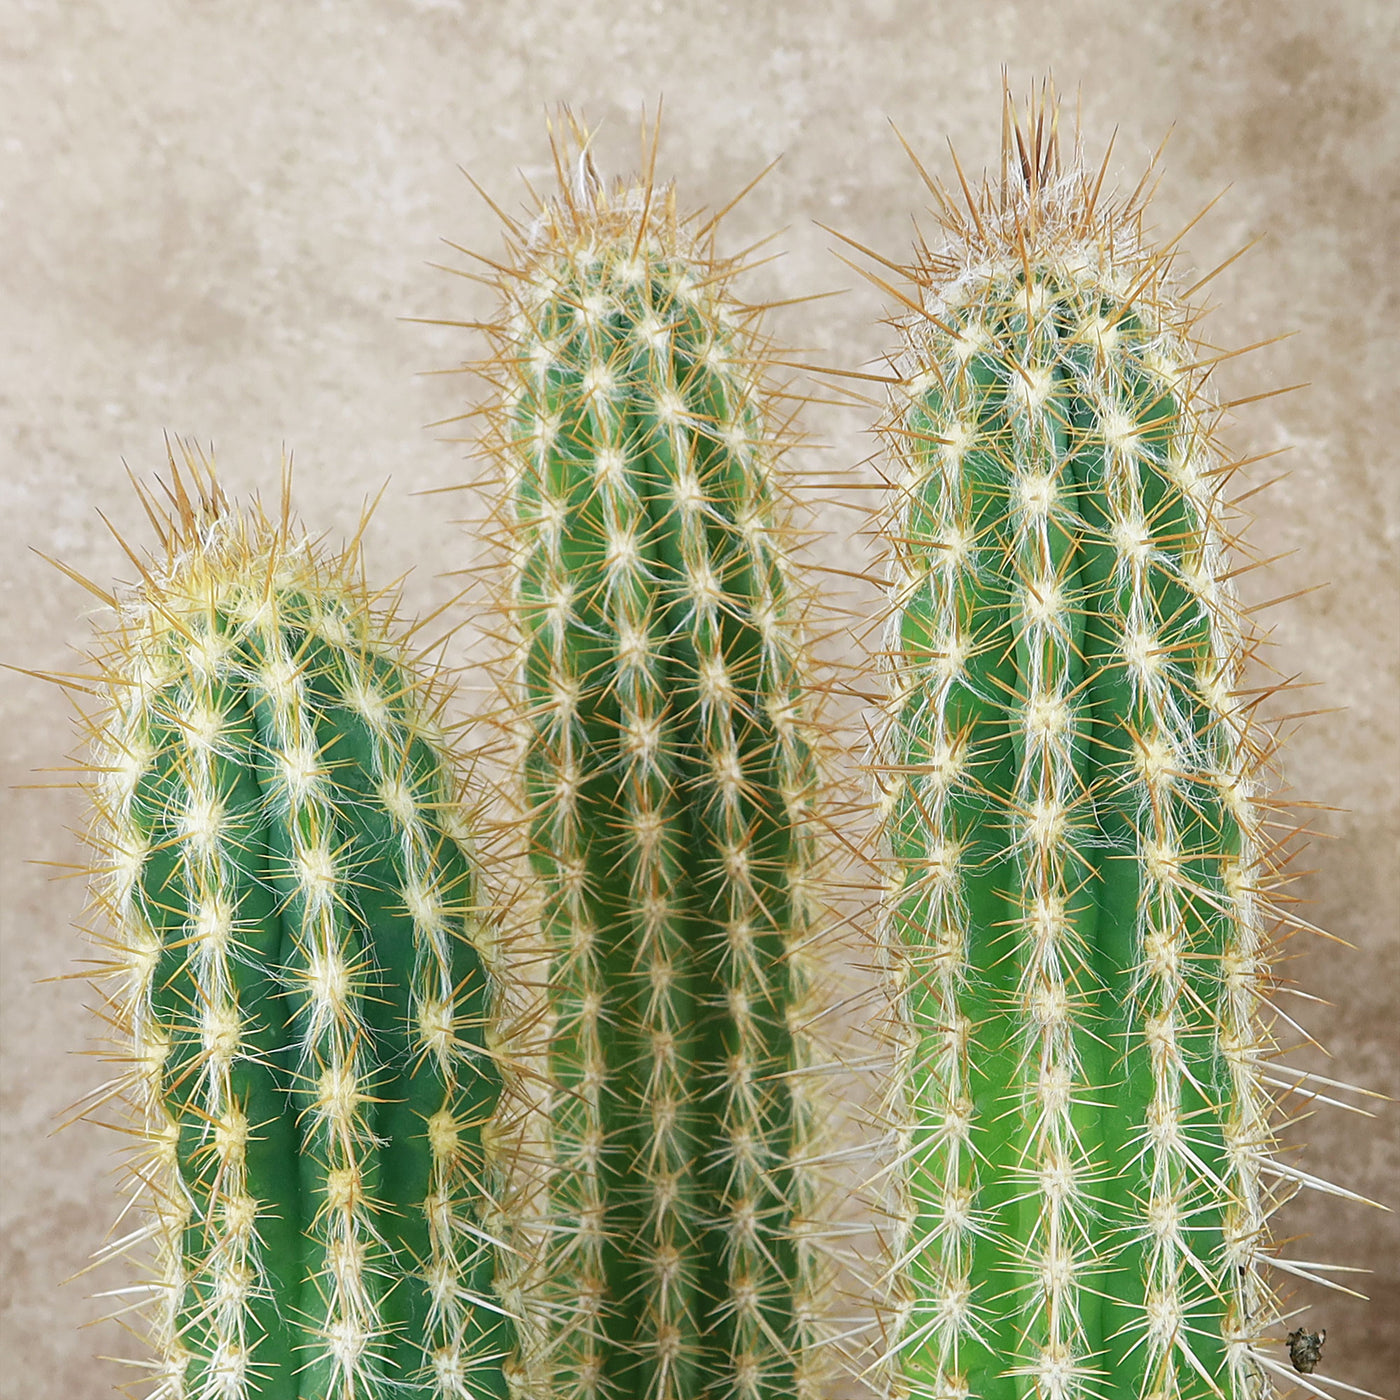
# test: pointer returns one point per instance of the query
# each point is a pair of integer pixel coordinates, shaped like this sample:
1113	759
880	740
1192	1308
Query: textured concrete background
213	216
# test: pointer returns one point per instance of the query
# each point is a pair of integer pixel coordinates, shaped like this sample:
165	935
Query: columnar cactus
298	975
668	775
301	970
1076	823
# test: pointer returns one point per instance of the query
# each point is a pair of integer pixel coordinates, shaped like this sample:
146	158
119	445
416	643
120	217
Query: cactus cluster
1076	818
316	970
668	774
299	974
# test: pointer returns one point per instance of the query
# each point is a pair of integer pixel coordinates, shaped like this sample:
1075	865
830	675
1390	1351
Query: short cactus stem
1076	813
299	974
668	773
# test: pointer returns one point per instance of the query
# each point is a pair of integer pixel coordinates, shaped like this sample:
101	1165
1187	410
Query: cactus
298	975
1076	820
668	775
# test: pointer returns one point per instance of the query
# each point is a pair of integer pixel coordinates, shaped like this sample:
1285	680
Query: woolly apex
1043	211
586	214
212	554
591	242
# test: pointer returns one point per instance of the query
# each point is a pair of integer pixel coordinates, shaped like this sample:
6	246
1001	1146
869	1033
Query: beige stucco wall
215	215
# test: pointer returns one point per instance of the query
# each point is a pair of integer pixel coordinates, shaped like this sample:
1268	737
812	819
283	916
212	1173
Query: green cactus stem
668	776
299	974
1080	840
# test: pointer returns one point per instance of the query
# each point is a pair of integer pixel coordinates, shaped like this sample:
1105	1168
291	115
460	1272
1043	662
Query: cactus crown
1080	841
295	973
665	758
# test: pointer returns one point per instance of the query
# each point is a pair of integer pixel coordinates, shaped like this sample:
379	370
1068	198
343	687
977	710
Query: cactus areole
295	976
1074	816
667	777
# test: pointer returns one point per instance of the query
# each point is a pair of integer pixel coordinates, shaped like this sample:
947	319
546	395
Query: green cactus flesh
1073	815
283	860
668	780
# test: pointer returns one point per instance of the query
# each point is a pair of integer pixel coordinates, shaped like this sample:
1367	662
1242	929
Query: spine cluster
299	974
669	777
1074	823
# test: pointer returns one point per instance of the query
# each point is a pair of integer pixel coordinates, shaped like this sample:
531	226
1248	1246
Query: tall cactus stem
298	973
1077	822
667	762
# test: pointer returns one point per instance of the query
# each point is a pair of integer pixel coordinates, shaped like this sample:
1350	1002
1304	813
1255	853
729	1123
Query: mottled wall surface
214	218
